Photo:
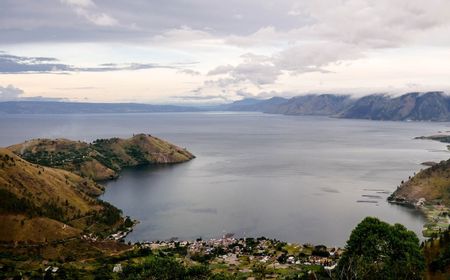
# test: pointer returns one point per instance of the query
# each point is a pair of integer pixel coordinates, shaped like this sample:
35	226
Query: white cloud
311	57
271	46
189	72
86	9
221	69
10	93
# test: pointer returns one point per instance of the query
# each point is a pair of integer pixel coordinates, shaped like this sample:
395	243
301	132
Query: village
244	255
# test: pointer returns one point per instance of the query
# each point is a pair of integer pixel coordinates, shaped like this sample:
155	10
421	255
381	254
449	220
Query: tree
377	250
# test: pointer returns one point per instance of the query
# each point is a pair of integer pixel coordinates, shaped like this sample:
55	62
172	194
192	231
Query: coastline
437	220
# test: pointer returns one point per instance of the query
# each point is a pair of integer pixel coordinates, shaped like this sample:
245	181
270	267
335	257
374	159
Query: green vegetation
440	137
377	250
51	215
104	158
10	203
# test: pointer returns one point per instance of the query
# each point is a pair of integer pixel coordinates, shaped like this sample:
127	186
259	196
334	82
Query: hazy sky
207	51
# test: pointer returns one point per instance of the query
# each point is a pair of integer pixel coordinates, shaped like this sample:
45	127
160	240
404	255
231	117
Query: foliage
377	250
320	251
164	268
110	214
10	203
137	154
437	252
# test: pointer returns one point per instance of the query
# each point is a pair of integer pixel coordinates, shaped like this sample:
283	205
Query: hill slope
104	158
41	204
429	106
319	105
255	105
432	184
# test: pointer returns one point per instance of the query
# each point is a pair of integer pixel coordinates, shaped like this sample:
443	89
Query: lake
298	179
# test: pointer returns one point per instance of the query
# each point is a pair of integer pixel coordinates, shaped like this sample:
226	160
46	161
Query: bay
295	178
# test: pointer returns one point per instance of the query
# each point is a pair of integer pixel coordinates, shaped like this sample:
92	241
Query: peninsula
429	191
102	159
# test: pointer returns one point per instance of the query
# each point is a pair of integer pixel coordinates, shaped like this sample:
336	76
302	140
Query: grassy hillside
431	184
40	204
104	158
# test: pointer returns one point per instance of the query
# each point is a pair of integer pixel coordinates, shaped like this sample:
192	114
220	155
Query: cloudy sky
208	51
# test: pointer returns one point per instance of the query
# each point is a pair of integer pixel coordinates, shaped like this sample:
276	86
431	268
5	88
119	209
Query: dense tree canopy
377	250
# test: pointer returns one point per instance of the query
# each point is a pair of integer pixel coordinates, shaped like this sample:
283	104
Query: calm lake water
297	179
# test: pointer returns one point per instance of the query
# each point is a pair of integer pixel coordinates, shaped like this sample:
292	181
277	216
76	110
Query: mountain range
57	107
414	106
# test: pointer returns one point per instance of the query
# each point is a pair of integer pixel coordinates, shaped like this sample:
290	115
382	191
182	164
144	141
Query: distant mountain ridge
430	106
415	106
57	107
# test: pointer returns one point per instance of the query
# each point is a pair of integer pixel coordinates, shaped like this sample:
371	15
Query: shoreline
437	221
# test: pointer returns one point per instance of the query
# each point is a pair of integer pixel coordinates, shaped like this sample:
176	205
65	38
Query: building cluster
232	251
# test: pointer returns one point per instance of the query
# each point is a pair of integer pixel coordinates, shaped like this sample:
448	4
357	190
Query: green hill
104	158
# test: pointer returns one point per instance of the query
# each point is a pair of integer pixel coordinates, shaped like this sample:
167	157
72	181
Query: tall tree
378	250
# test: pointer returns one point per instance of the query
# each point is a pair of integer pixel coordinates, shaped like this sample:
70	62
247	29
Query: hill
429	106
415	106
255	105
104	158
40	204
319	105
429	191
430	186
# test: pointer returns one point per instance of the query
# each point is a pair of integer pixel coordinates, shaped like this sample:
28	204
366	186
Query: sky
210	52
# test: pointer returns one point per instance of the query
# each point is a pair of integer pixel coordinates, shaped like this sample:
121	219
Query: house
420	202
117	268
52	269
